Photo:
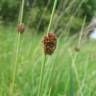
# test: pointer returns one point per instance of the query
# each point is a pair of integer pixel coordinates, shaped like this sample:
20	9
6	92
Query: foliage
40	11
9	9
56	73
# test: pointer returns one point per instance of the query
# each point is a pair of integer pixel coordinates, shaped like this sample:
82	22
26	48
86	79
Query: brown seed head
21	28
49	42
77	49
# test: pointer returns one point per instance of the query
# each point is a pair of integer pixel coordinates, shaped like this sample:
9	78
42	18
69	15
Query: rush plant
20	29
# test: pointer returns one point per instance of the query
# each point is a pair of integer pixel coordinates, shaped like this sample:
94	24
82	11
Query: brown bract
77	49
49	43
21	28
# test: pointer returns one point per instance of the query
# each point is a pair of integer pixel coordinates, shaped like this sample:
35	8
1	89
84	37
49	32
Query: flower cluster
77	49
49	43
21	28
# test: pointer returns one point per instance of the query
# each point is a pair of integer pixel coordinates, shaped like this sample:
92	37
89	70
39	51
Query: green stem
52	14
41	77
17	52
15	66
71	76
71	82
21	12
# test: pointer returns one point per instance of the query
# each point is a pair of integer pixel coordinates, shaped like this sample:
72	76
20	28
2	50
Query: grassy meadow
56	74
26	69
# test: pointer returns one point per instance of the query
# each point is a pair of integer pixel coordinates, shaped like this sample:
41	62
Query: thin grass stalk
15	66
17	52
49	93
73	64
21	12
71	76
51	73
81	33
43	64
53	10
41	77
83	84
71	83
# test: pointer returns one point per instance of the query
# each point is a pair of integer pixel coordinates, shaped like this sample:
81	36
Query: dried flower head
49	42
77	49
21	28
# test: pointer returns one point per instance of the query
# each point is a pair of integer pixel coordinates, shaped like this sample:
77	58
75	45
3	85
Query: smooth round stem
17	52
71	82
71	75
52	14
21	11
41	76
15	66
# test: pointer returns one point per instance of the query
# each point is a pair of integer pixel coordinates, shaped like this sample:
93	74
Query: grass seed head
21	28
77	49
49	43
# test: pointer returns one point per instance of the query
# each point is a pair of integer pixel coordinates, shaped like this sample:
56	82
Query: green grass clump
56	80
70	71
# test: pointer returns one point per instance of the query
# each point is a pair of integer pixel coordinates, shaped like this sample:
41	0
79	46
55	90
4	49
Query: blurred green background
37	13
27	55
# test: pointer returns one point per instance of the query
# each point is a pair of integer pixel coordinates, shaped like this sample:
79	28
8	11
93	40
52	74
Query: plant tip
21	28
49	42
77	49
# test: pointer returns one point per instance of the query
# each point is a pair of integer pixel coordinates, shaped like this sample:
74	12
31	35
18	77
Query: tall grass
66	73
56	72
12	85
43	65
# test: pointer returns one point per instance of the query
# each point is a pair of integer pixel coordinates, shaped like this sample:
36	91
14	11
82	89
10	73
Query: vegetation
29	67
37	13
56	73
